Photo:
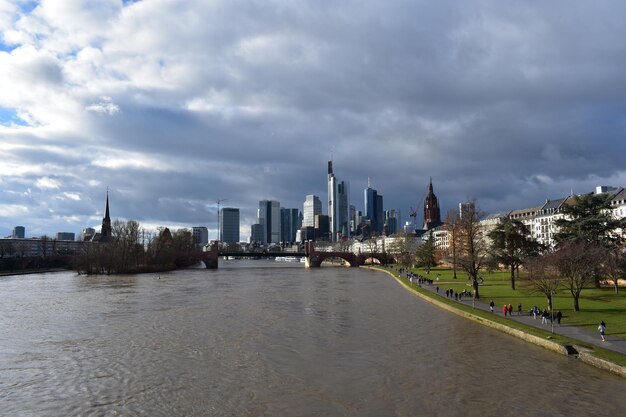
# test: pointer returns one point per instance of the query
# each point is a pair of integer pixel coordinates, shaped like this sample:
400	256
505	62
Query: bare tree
472	248
576	261
614	265
544	276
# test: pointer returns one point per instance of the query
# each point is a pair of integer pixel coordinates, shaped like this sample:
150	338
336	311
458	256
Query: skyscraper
290	224
269	218
229	225
374	208
337	205
18	232
432	214
312	206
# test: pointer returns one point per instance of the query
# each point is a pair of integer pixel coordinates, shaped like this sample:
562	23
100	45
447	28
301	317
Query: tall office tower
466	209
105	230
18	232
374	208
352	220
66	236
290	223
256	233
322	227
391	221
337	205
269	218
87	233
432	214
229	225
312	206
200	236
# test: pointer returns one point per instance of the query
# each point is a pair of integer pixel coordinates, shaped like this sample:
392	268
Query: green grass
595	304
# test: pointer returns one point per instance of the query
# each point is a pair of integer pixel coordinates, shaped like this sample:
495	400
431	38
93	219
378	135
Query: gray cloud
247	100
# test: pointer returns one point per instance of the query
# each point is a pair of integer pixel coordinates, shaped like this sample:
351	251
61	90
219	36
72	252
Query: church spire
105	231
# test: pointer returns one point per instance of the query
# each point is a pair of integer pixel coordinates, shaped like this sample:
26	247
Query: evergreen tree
511	245
426	253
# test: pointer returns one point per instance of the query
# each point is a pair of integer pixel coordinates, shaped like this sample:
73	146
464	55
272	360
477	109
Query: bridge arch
314	260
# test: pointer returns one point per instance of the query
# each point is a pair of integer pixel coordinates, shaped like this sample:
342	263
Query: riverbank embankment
586	350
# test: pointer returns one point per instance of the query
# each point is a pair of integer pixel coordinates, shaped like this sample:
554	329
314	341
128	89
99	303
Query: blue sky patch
9	117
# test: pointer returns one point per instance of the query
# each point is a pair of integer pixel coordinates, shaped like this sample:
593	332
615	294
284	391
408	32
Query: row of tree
132	249
589	248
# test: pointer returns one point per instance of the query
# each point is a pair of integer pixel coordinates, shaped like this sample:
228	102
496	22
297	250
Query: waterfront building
312	206
432	213
618	204
200	236
18	232
68	236
269	218
229	225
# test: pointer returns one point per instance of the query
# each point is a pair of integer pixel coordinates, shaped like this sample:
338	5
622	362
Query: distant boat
288	259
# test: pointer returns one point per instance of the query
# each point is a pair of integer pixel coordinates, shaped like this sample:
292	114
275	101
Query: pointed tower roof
106	210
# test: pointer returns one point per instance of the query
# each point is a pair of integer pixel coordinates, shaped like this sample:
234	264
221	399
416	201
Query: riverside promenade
584	336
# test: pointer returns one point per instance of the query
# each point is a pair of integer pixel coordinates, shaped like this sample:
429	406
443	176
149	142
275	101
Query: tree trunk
576	306
475	287
616	286
513	276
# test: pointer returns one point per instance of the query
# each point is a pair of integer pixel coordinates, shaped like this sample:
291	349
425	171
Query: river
263	338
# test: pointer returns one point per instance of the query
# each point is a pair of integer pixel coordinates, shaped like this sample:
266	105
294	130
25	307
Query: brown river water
263	338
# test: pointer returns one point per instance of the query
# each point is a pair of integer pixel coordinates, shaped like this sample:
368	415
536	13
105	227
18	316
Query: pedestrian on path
535	311
510	308
544	317
504	309
491	304
519	309
559	315
602	329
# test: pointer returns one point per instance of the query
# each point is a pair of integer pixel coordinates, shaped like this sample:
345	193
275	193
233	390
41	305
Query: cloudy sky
173	104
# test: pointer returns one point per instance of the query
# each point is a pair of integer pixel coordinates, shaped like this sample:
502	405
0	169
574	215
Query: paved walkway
591	338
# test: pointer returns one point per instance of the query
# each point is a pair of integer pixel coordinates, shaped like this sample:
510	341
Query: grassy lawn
595	304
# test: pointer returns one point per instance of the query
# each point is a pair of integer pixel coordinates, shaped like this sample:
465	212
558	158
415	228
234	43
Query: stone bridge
313	257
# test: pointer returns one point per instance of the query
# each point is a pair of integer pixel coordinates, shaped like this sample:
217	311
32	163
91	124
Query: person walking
510	308
491	304
504	309
544	317
519	309
559	316
602	329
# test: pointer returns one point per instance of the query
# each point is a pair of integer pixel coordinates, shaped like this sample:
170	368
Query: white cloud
47	183
105	106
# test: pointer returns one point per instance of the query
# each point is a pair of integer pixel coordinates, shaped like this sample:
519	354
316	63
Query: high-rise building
229	225
105	230
290	223
337	205
391	222
312	206
200	236
87	233
269	218
374	209
67	236
432	214
256	233
18	232
322	227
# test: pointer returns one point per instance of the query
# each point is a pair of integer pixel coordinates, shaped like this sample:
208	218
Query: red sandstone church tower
432	215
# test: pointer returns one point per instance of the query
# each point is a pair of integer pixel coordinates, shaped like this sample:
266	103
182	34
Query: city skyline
510	104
